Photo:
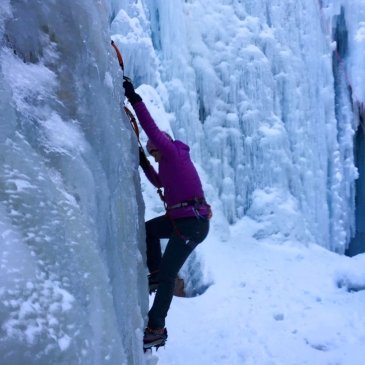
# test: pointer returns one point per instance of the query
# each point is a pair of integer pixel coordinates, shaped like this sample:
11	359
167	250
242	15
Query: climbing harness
196	202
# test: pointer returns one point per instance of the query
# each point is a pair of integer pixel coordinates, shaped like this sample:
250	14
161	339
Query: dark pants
184	235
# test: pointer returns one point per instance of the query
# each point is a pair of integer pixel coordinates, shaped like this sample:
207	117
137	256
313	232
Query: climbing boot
154	337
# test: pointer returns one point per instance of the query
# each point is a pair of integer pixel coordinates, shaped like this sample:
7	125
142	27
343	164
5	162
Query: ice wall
72	278
349	34
252	87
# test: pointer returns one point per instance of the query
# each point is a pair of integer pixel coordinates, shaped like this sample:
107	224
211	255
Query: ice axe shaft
120	58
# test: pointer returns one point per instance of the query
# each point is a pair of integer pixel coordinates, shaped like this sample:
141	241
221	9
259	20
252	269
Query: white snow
64	342
270	305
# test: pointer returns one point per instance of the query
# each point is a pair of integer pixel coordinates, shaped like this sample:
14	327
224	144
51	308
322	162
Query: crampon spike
156	347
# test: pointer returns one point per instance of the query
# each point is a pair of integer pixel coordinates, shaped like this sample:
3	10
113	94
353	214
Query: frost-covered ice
260	91
70	226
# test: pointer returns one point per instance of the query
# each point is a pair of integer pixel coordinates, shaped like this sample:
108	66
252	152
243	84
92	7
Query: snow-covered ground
270	305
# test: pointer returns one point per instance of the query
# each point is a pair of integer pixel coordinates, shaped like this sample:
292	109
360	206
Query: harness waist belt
192	202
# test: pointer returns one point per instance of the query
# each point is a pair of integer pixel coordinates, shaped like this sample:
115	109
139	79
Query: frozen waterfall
260	90
256	80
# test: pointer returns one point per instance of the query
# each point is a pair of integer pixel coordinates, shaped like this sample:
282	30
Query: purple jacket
176	172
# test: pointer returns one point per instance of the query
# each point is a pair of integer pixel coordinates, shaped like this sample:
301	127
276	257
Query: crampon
156	347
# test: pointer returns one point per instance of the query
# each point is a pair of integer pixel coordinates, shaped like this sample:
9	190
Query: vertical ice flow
72	279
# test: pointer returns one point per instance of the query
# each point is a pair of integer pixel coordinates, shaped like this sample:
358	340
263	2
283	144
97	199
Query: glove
131	95
143	160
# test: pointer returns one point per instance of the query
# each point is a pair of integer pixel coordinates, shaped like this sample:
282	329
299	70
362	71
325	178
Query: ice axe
120	60
130	115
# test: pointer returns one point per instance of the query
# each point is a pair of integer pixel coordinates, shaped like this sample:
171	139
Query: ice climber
185	224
